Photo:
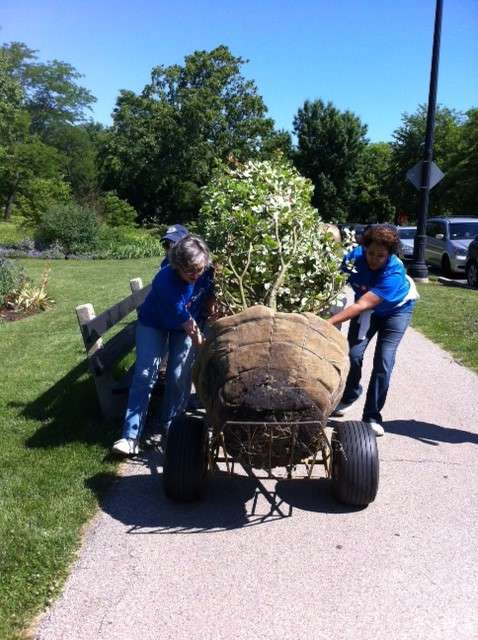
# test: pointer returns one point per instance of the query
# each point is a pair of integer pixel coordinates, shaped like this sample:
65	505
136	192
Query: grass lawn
449	317
54	443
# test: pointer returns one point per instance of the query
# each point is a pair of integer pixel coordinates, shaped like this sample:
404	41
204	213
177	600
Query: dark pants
389	332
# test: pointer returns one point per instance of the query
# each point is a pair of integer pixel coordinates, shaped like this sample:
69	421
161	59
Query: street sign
414	175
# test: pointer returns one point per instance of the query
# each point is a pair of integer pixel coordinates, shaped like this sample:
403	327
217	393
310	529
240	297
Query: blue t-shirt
203	288
389	283
167	304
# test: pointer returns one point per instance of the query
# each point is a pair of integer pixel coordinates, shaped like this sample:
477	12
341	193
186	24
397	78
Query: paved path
404	568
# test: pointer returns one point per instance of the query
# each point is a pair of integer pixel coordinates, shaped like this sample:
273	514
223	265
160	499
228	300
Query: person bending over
384	301
165	325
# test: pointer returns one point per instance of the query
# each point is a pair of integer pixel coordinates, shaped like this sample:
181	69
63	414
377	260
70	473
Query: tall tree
329	146
22	164
11	102
372	201
78	153
463	166
14	134
52	94
39	146
407	150
165	141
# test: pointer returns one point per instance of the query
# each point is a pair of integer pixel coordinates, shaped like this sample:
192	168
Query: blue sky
372	57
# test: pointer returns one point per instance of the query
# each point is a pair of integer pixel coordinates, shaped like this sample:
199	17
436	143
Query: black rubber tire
472	274
186	459
355	466
446	266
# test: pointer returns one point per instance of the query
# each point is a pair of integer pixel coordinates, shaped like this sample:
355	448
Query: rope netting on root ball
266	366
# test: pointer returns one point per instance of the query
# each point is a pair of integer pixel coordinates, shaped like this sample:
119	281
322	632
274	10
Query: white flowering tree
269	244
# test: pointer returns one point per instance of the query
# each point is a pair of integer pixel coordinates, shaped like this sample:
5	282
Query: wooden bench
103	356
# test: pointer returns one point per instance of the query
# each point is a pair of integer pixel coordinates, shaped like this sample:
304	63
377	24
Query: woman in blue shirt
384	302
165	325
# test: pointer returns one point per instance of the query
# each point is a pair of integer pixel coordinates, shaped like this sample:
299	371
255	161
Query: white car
407	239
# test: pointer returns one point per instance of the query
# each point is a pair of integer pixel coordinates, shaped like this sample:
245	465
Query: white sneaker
376	428
125	447
340	410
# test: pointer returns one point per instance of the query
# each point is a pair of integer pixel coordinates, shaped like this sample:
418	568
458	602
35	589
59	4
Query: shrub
270	244
12	277
38	195
124	243
73	227
117	212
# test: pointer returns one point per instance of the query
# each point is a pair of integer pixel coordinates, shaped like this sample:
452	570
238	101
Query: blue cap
175	232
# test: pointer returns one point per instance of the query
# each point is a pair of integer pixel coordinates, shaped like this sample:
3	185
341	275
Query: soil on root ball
257	396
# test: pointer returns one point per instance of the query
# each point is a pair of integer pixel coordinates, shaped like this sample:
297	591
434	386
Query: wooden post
102	355
85	313
136	284
103	383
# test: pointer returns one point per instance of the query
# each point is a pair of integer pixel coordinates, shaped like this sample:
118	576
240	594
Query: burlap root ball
261	365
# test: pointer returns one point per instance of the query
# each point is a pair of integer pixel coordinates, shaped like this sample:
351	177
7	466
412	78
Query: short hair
386	235
190	252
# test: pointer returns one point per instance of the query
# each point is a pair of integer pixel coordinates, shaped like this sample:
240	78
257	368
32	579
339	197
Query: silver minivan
447	242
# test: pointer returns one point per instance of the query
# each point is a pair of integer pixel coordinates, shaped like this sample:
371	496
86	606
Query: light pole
418	269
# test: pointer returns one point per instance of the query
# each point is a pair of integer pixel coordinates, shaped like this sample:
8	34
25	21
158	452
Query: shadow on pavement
312	495
231	502
138	501
429	433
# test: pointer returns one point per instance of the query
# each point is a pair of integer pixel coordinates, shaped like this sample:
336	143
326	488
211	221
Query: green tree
14	125
407	150
78	159
52	94
166	141
39	194
372	201
11	97
329	145
38	144
29	167
463	171
278	143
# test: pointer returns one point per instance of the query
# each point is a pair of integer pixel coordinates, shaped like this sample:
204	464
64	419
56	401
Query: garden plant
270	245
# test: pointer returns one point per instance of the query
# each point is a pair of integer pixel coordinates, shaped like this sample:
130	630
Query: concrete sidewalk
405	568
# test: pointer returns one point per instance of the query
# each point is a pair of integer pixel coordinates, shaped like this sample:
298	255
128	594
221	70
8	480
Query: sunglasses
194	271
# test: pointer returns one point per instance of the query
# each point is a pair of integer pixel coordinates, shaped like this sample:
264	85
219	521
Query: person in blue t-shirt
384	301
165	325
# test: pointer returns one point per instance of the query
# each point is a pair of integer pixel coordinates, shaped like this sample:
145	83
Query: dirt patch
9	315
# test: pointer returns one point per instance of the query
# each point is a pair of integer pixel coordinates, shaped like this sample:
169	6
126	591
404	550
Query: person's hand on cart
194	332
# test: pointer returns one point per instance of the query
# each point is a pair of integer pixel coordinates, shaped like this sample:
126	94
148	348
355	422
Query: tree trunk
7	212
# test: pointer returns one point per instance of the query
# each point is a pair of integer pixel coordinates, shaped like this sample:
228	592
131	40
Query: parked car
447	242
407	239
471	266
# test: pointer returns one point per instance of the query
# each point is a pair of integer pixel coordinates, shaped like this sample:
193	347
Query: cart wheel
186	459
354	463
